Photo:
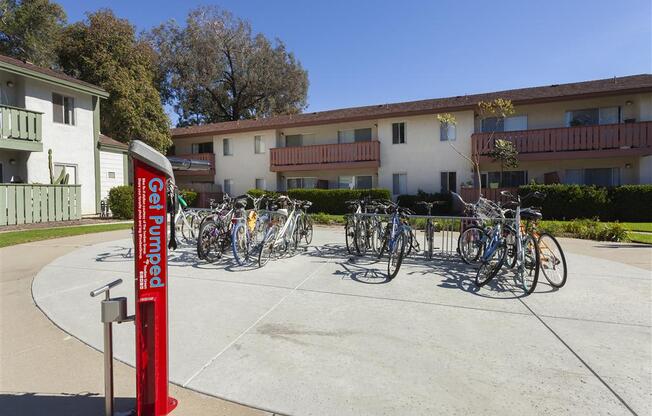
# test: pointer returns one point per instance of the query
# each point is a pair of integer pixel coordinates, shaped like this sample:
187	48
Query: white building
594	132
42	110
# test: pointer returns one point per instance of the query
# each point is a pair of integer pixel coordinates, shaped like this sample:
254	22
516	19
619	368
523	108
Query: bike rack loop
113	310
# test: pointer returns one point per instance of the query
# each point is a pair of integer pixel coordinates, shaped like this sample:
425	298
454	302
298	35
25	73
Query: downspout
96	151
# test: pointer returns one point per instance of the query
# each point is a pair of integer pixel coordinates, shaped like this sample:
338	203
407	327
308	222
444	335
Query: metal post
108	366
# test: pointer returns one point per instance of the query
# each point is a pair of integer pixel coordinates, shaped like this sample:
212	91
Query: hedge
411	202
329	201
121	201
566	202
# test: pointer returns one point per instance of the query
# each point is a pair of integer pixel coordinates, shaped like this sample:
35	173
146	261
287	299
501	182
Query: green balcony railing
20	124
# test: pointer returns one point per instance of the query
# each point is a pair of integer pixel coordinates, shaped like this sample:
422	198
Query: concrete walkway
44	370
323	334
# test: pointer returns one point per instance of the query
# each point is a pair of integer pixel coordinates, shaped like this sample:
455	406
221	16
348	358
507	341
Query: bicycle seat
530	214
457	203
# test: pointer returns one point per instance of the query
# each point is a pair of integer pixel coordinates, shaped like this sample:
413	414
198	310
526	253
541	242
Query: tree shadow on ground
63	404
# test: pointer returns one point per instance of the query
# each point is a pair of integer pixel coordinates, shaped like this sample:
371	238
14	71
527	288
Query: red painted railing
569	139
197	156
324	154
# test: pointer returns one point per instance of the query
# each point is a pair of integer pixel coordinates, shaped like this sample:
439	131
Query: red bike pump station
151	172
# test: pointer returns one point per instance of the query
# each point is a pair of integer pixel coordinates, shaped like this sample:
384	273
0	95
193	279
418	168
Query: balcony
609	140
197	156
20	129
326	157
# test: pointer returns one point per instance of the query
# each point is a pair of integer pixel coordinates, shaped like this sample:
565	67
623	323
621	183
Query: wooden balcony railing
326	156
20	124
197	156
571	142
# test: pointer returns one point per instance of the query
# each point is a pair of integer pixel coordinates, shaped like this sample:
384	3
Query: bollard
113	310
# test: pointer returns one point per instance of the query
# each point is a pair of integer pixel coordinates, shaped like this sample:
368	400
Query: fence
26	204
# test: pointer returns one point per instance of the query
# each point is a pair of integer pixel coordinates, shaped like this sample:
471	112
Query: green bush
328	219
121	201
622	203
587	229
332	201
631	203
411	202
190	196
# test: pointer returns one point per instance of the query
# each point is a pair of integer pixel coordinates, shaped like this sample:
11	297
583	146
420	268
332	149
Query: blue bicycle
396	237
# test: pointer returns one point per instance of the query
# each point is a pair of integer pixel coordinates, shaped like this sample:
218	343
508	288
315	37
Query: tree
104	50
30	30
505	153
214	69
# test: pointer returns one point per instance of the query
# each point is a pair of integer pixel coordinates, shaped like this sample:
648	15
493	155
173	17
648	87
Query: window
363	182
206	147
448	182
346	182
111	175
228	185
399	184
226	147
259	145
71	170
593	116
171	150
498	124
63	109
354	135
510	179
293	140
398	133
594	176
446	131
301	183
260	184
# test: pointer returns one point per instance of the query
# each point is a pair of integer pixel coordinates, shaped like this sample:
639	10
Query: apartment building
42	110
594	132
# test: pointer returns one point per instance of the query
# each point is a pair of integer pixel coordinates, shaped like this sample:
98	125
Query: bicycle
215	231
395	238
186	221
247	229
279	240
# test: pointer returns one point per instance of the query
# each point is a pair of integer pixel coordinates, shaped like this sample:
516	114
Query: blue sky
372	52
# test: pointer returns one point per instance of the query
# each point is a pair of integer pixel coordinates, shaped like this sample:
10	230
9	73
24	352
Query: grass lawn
640	238
638	226
25	236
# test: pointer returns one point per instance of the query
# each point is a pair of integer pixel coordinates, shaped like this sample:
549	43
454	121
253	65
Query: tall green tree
104	50
215	69
30	30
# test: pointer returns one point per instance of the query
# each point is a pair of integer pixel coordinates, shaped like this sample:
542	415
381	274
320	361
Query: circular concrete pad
323	334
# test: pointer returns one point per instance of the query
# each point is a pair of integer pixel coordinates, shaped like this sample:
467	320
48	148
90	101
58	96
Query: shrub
190	196
411	202
587	229
332	201
121	201
622	203
328	219
631	203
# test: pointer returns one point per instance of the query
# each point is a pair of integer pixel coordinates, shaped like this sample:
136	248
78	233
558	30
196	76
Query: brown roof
555	92
49	72
107	141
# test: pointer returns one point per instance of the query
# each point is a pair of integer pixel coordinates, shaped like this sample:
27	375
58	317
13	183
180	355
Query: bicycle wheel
553	260
360	239
377	236
307	230
208	242
510	241
470	244
531	264
396	254
267	247
240	243
349	234
491	265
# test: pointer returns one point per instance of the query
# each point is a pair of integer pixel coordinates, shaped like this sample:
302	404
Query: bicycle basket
486	209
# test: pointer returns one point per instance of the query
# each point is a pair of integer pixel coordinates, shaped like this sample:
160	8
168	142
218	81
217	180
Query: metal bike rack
113	310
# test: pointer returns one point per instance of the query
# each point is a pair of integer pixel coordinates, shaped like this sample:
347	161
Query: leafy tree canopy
215	69
105	51
30	30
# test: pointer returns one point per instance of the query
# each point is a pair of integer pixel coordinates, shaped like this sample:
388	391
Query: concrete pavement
44	370
320	333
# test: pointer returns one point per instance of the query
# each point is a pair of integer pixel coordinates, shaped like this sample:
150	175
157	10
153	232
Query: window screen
399	184
398	133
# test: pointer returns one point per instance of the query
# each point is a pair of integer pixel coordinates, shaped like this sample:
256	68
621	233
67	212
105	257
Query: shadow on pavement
37	404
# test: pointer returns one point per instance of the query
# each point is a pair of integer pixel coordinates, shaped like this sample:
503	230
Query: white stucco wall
110	162
69	144
424	156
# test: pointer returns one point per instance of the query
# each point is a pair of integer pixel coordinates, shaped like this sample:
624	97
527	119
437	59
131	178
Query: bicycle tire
308	230
473	233
208	244
396	254
267	247
240	233
349	237
490	267
532	265
360	240
558	260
